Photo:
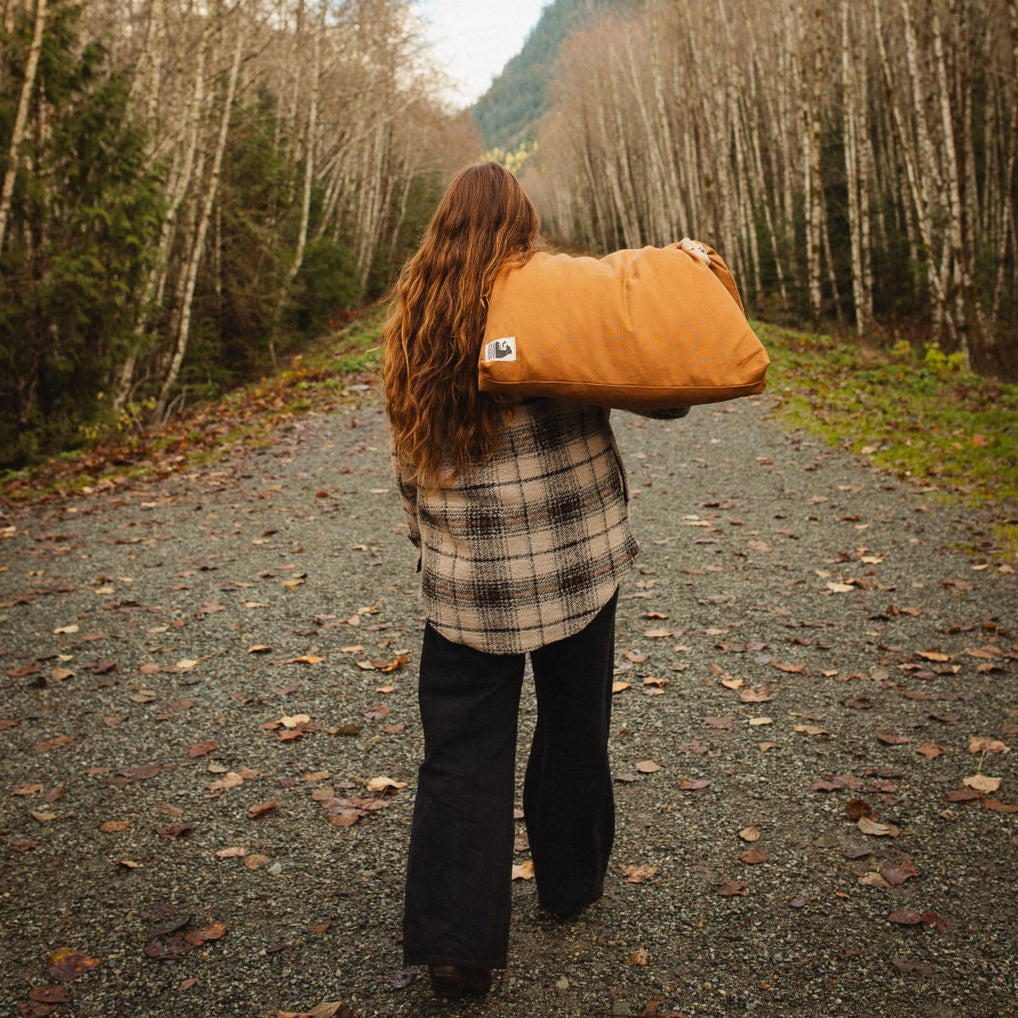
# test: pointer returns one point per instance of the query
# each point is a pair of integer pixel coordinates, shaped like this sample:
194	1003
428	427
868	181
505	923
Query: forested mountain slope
508	111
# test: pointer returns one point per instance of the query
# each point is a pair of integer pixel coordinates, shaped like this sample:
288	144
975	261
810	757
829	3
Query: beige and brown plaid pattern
526	548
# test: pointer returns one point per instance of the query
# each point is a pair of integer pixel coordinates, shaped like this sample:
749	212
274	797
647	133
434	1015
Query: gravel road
203	680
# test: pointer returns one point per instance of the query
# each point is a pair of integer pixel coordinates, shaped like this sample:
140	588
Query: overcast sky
473	39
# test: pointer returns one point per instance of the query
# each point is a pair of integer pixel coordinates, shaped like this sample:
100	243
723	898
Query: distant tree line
187	189
853	160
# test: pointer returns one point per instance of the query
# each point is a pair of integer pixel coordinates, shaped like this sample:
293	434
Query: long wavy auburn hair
438	418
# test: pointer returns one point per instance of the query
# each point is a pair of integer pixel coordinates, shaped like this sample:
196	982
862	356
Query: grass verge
914	413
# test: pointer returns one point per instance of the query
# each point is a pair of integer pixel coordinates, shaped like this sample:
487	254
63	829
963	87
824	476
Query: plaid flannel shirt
526	548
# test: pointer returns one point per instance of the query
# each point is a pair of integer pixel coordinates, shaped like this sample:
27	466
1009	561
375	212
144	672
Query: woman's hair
439	419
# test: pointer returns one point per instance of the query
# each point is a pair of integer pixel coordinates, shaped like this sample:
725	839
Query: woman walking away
519	511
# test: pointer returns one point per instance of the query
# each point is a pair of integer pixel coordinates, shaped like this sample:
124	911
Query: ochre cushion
640	329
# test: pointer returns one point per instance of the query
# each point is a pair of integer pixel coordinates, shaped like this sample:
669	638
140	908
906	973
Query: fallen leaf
66	963
963	795
811	730
198	937
638	957
383	784
255	861
982	783
754	855
259	648
750	834
721	723
979	745
877	829
50	995
233	852
114	826
731	888
173	830
893	740
260	808
523	870
647	767
931	750
1000	807
693	784
638	874
202	749
795	669
897	875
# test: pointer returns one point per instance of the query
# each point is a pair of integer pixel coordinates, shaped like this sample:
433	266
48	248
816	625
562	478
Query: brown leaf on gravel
909	917
721	723
261	807
50	994
979	745
202	749
931	750
65	963
198	937
169	949
856	808
893	740
114	826
815	730
897	875
233	852
647	767
255	861
382	785
754	695
750	834
523	870
981	783
752	856
638	874
823	785
877	829
55	743
1000	807
963	795
693	784
731	888
376	712
173	830
638	957
794	669
933	655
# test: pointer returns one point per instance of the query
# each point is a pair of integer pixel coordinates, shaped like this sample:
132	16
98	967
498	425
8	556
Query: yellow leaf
523	870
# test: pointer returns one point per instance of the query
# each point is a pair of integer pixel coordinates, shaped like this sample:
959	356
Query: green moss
917	414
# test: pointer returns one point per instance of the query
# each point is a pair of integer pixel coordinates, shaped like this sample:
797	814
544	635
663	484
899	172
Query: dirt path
802	632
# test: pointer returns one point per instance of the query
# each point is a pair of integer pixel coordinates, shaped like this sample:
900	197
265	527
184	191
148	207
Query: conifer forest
191	190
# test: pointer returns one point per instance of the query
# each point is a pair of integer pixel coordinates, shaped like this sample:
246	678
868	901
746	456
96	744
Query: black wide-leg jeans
461	842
